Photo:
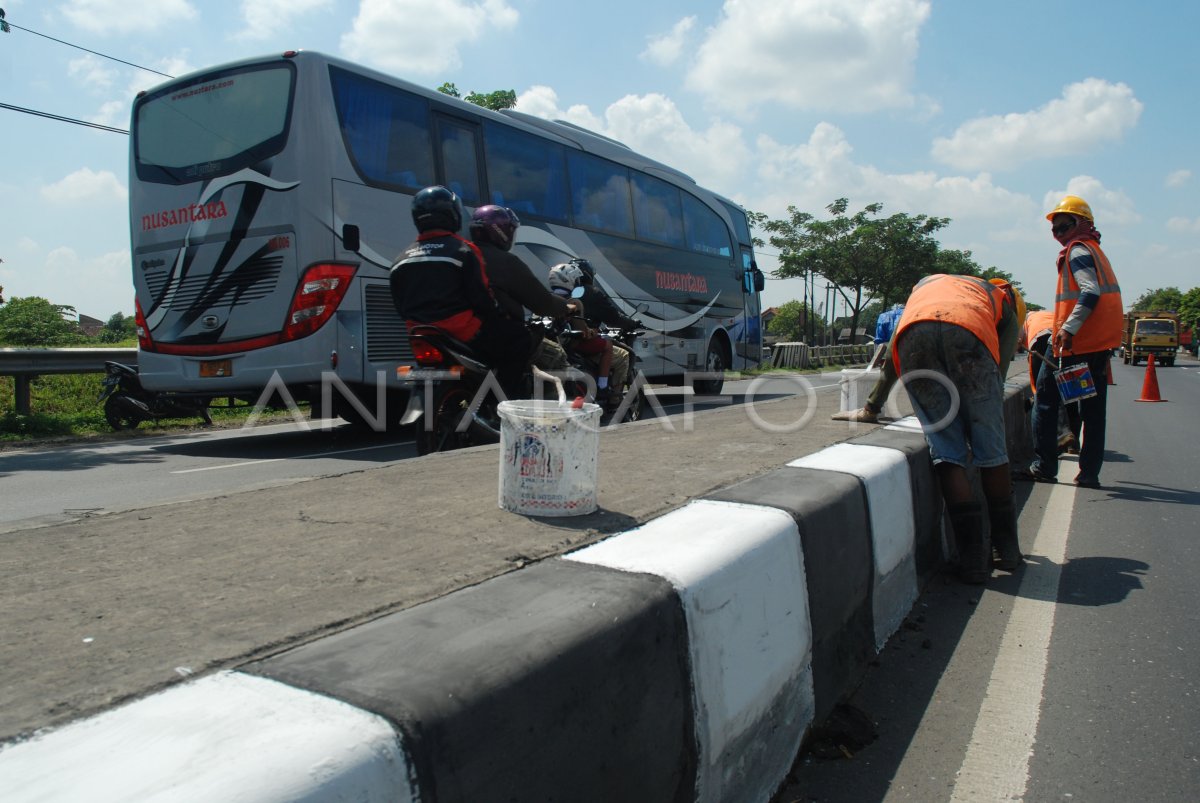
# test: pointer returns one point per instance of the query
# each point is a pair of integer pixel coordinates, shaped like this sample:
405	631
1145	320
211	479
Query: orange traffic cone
1108	370
1150	383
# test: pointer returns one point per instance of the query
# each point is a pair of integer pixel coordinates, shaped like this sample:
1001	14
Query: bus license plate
216	368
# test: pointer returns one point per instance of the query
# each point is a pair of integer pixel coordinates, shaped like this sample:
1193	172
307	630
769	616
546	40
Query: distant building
90	326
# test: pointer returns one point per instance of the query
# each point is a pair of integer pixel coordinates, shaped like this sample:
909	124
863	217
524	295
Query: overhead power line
86	50
60	118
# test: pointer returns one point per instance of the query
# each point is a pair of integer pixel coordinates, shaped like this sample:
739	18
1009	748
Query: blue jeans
967	375
1093	413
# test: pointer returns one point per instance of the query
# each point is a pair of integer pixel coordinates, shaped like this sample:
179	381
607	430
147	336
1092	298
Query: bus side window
656	210
531	172
460	160
706	232
600	196
386	131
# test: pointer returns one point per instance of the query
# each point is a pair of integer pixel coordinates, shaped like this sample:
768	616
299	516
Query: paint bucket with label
548	456
1075	383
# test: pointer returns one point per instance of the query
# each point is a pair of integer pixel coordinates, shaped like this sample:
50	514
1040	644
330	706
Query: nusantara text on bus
689	283
184	214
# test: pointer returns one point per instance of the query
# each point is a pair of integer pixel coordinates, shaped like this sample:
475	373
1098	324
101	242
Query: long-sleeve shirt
516	287
1083	267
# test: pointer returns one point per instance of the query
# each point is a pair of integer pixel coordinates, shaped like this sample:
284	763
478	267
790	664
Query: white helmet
565	276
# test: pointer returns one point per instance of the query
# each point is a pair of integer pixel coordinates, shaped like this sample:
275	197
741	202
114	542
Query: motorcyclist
614	359
441	280
516	288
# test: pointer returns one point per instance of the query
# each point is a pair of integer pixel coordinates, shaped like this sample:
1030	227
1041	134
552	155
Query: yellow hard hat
1018	302
1072	205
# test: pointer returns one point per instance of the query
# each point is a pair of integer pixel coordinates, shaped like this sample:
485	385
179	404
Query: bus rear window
213	126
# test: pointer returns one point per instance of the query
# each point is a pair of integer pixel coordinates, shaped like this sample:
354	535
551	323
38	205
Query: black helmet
495	224
437	208
589	273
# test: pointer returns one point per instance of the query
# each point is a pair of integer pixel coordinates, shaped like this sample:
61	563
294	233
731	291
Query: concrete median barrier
682	659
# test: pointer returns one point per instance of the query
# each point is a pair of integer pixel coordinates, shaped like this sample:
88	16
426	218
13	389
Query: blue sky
983	113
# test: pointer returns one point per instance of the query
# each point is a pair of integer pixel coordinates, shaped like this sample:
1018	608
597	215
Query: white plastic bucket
856	387
548	456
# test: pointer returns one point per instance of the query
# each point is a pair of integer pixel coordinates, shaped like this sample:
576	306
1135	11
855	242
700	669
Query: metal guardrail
802	355
25	364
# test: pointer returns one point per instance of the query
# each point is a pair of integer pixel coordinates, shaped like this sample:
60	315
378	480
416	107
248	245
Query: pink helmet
495	224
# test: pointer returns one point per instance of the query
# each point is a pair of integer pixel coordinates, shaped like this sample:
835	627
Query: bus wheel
715	363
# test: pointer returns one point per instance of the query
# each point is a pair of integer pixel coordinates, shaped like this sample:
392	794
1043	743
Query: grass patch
68	406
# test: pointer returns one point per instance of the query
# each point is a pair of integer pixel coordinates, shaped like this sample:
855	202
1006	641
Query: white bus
270	196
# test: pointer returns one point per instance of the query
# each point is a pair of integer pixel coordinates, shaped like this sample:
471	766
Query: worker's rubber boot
974	556
1003	517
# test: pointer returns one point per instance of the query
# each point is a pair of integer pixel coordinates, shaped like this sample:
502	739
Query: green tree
790	321
866	257
1164	298
35	321
500	99
117	328
1189	310
956	263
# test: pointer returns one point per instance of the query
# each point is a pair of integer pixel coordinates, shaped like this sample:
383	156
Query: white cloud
91	72
1108	206
812	175
1183	225
1178	178
56	279
1089	113
85	186
264	18
411	36
114	113
542	101
653	126
845	55
666	49
120	17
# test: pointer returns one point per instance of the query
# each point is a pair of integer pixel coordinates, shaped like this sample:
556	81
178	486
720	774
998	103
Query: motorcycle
127	403
453	398
627	398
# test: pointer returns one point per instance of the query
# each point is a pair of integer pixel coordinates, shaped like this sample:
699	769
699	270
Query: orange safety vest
974	304
1037	323
1102	329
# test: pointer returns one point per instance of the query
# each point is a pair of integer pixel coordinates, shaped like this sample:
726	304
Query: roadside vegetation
67	406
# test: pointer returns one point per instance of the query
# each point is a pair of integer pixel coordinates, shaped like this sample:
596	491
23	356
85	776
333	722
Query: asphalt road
1077	678
57	484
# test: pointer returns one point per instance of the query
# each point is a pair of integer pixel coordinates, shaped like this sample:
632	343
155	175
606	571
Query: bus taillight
145	343
320	292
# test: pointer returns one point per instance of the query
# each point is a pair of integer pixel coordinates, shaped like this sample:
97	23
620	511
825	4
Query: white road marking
996	766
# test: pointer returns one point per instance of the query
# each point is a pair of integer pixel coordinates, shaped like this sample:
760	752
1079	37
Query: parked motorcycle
127	403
